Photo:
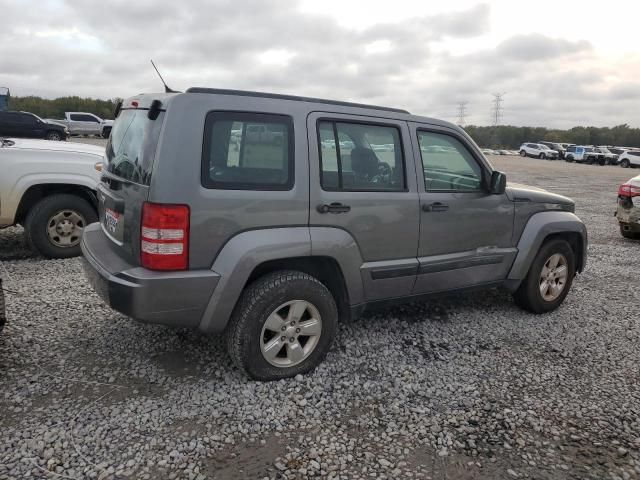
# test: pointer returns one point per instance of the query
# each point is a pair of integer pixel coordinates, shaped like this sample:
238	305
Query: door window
360	157
447	164
248	151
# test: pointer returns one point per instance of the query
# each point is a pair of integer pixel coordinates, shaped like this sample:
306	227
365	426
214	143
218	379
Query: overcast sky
559	63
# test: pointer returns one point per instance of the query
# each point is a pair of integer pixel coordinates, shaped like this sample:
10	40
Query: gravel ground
467	387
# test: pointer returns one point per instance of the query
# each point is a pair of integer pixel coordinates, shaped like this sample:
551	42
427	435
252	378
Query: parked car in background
488	151
502	152
581	154
555	146
630	158
537	150
628	212
272	245
618	150
28	125
83	123
610	158
49	189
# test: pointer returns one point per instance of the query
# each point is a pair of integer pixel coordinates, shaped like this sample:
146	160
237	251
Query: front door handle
334	207
435	207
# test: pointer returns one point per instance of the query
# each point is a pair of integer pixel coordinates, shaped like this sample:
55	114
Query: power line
497	108
462	113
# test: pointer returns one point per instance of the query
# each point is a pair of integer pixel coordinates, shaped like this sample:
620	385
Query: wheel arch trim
243	253
541	226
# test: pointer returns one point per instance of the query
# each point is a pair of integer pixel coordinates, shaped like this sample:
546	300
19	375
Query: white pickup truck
49	188
82	123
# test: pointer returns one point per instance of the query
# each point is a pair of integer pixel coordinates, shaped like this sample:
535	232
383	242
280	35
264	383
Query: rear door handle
435	207
334	207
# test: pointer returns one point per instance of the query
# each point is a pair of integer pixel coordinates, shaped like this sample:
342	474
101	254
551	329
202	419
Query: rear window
248	151
132	146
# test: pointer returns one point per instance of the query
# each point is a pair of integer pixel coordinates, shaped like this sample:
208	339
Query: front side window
447	164
360	157
248	151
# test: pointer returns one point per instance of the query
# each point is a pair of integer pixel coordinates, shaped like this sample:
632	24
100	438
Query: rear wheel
542	156
54	225
629	234
283	325
549	278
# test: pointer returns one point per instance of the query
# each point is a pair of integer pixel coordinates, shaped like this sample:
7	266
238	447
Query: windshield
604	150
544	147
588	149
132	146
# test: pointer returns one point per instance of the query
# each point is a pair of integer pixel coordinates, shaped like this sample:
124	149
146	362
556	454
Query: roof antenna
166	87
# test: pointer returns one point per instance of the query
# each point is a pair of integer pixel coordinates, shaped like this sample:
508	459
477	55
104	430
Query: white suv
537	150
630	158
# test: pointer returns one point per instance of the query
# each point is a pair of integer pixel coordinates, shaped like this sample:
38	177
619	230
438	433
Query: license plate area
113	224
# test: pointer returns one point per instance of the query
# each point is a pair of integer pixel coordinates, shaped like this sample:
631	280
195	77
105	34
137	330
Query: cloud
74	47
535	46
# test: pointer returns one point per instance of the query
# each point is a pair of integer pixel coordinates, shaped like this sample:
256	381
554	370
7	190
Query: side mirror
498	183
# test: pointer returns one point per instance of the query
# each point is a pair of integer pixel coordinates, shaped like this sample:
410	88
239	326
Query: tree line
502	136
55	108
507	136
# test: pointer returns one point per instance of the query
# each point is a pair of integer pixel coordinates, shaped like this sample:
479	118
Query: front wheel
282	326
549	278
53	135
542	156
106	132
54	225
523	153
624	163
568	159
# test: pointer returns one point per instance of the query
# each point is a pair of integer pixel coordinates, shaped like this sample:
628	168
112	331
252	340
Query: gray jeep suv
269	218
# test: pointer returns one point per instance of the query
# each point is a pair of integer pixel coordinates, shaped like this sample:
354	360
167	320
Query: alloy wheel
290	333
553	277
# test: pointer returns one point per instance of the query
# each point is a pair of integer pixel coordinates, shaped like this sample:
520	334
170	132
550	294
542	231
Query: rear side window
248	151
360	157
132	145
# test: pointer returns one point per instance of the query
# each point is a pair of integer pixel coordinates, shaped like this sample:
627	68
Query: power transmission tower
462	112
497	108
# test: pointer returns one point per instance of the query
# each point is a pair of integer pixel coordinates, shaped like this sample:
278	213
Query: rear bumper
629	218
169	298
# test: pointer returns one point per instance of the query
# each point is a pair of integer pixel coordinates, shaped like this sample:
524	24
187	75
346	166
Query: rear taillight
164	236
629	190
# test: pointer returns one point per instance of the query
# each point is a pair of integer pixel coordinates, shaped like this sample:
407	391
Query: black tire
568	159
263	296
625	163
36	223
542	156
54	135
106	132
528	296
628	234
523	153
3	317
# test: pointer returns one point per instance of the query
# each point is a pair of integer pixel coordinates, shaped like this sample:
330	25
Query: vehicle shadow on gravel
13	245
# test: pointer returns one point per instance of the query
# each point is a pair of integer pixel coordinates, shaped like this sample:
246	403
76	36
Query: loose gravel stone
461	387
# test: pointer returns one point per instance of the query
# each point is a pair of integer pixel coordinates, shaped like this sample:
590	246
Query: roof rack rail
244	93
